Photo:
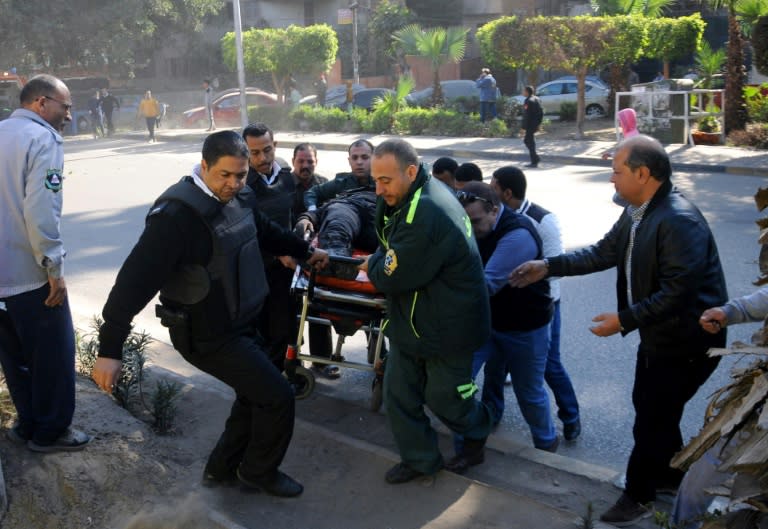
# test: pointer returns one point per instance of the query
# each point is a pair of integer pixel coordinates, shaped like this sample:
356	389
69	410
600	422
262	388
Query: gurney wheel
303	382
377	393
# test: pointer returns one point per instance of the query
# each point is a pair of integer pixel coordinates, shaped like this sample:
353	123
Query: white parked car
553	93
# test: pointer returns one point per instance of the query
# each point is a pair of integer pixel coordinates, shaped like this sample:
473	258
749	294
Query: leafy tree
760	44
105	36
673	38
439	45
631	39
708	63
735	112
284	51
647	8
388	17
749	11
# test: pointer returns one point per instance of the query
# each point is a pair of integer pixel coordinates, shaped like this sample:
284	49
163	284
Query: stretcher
347	305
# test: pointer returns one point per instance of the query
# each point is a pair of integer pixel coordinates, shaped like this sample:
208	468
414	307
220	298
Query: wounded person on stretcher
346	222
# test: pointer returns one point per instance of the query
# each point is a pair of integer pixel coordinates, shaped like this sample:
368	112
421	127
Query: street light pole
355	56
240	63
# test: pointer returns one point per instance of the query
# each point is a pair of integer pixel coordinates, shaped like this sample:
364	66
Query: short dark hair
257	130
512	178
224	143
362	142
39	86
468	172
444	164
403	152
530	90
646	151
304	147
478	191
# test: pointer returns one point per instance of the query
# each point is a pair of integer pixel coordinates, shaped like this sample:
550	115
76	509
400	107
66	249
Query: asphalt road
110	185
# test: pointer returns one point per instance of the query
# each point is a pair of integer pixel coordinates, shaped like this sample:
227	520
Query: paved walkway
704	158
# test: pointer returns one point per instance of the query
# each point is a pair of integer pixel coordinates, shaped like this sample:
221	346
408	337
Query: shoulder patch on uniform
53	180
390	262
468	226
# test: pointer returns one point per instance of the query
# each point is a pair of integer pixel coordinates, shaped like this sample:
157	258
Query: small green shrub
757	103
568	111
496	128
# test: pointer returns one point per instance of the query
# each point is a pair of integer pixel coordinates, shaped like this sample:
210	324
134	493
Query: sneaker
70	441
401	473
572	431
625	512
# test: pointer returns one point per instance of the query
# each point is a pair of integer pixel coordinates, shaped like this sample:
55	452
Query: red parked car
226	108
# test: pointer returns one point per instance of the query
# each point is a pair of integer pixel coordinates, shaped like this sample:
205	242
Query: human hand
106	372
287	261
609	324
606	155
57	293
304	229
364	265
319	259
527	273
712	320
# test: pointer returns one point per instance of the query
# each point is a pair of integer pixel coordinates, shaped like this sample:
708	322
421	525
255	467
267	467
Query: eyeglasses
66	106
467	198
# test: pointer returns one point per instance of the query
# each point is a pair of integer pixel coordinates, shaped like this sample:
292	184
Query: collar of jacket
661	193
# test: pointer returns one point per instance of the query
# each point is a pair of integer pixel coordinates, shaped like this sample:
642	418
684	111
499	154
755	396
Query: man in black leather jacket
668	273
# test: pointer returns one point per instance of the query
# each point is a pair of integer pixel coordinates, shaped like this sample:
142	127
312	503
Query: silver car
553	93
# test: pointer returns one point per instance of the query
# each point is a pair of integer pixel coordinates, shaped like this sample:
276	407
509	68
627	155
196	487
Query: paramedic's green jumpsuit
429	268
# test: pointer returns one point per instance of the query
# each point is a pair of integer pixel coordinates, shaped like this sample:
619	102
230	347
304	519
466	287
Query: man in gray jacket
37	342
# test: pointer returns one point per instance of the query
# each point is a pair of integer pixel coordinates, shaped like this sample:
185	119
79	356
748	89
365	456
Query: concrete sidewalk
696	158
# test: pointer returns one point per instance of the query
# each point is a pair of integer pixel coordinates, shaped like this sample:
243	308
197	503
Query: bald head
644	151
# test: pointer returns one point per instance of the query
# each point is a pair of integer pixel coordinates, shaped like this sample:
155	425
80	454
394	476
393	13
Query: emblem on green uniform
390	262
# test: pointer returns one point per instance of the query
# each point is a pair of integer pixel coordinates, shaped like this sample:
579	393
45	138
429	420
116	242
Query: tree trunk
581	77
437	89
735	107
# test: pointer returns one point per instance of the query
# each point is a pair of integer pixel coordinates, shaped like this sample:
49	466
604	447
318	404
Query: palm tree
708	63
735	112
439	45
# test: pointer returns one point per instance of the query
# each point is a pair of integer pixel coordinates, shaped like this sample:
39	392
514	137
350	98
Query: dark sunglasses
467	198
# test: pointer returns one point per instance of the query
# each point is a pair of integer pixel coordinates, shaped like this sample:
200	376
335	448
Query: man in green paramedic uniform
429	268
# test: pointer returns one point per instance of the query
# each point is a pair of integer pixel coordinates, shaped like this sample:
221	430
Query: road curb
513	157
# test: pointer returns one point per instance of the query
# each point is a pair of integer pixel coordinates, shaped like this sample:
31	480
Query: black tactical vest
229	291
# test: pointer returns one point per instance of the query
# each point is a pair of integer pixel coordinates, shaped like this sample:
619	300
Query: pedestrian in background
96	115
149	109
108	105
667	273
487	85
533	115
37	338
208	102
321	88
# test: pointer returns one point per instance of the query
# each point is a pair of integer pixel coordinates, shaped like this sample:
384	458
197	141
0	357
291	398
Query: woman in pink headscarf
628	123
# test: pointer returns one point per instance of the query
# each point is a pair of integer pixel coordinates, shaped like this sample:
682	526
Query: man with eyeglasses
37	341
520	318
428	266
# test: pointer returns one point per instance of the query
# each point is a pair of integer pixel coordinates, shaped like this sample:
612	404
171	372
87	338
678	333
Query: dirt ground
127	478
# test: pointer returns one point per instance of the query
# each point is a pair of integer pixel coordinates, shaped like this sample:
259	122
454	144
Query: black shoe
281	484
460	463
532	165
211	480
572	431
70	441
401	473
15	435
626	511
552	447
330	372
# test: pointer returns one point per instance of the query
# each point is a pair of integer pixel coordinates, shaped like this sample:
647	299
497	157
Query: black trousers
530	142
260	426
663	385
277	322
347	223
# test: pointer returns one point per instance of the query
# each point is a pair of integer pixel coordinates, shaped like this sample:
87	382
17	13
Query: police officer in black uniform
274	193
202	249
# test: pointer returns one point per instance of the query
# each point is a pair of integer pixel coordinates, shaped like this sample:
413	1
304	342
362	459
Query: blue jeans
487	110
557	377
37	352
524	355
